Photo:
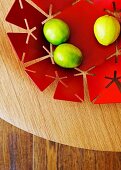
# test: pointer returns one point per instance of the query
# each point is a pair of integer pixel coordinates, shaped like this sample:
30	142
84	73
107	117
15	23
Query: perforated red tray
101	65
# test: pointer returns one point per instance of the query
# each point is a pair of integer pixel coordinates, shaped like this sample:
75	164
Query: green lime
106	29
56	31
67	56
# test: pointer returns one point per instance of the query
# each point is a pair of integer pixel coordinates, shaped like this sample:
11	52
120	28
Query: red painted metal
80	17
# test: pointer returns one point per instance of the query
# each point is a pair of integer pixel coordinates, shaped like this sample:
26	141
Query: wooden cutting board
22	104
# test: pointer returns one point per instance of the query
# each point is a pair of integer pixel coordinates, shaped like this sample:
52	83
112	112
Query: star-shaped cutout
116	13
115	80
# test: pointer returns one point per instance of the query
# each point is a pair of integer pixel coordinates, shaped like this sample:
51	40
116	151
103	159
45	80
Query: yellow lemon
106	29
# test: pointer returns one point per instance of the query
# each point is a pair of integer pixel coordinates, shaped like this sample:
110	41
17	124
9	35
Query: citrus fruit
106	29
67	56
56	31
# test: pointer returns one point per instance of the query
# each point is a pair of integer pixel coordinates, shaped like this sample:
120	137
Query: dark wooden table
22	151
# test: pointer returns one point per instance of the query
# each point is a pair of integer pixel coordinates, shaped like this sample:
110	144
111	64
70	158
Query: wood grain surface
23	151
22	104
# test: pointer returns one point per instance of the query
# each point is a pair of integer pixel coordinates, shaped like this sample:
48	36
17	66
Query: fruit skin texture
68	56
106	29
56	31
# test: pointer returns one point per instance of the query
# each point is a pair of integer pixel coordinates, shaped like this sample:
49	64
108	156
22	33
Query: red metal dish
36	53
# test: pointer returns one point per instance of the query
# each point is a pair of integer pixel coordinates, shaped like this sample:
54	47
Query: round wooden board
22	104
